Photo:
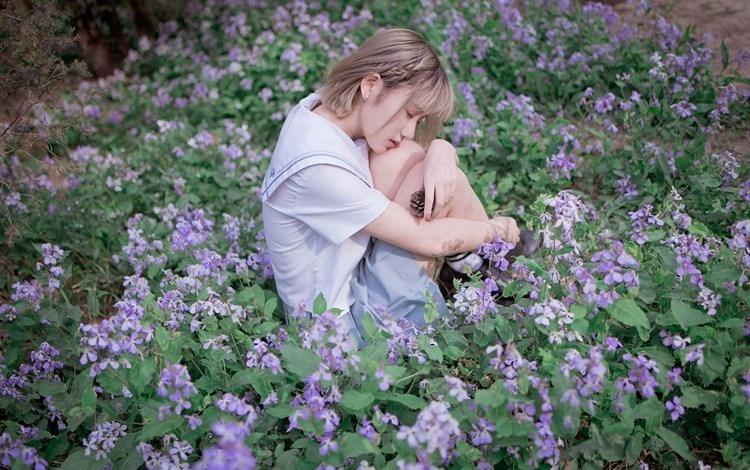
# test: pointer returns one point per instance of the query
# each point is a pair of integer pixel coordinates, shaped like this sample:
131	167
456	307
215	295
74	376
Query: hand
441	177
507	229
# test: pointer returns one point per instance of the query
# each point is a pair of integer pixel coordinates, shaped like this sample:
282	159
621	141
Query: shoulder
329	178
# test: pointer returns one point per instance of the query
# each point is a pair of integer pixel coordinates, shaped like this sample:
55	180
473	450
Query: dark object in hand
417	203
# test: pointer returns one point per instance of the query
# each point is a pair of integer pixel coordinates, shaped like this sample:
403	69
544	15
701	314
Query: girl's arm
439	237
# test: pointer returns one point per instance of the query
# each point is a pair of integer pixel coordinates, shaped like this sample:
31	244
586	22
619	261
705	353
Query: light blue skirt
390	278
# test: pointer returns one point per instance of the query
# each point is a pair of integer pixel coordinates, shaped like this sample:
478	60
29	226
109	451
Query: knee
410	149
463	180
441	145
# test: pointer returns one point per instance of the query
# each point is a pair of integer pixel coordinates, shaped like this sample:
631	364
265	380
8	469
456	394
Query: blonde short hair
402	58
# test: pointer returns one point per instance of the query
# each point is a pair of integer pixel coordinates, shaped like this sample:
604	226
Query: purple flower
640	379
106	342
695	354
746	387
456	388
617	265
475	302
675	408
385	379
684	109
674	377
509	362
191	228
230	451
175	384
237	406
556	318
481	433
589	375
625	188
435	429
562	164
367	430
640	220
173	453
194	421
201	140
102	439
468	92
604	104
28	291
330	338
43	365
522	107
674	341
612	343
462	128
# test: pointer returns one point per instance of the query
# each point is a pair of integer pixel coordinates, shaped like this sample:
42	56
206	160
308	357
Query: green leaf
88	396
626	311
676	442
270	306
634	448
242	378
298	361
77	415
687	316
693	397
369	325
410	401
244	297
159	428
353	445
724	55
319	304
430	308
722	423
699	228
280	411
434	352
79	461
455	338
355	401
48	388
655	235
454	352
142	372
162	337
93	302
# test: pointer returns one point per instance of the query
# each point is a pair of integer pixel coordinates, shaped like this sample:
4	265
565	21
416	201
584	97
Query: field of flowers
139	323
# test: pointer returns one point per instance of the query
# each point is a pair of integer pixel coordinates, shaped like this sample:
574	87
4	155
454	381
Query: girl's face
386	117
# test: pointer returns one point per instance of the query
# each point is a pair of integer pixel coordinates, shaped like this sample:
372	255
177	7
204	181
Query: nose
409	129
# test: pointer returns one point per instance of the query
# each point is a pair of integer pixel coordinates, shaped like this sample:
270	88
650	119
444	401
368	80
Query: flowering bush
140	327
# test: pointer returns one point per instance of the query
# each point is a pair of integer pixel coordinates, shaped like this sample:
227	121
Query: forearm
438	237
447	236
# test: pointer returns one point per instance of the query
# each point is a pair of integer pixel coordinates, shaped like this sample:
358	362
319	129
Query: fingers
429	199
508	229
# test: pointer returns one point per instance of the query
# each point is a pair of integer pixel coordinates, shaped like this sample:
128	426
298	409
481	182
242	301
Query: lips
392	143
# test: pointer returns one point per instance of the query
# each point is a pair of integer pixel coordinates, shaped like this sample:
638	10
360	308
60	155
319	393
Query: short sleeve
333	201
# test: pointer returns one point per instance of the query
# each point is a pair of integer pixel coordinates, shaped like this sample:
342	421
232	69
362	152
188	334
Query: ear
370	86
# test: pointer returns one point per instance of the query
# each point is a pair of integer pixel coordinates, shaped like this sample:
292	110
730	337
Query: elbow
438	246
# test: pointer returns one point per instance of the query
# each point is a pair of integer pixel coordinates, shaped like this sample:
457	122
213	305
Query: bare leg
465	203
390	168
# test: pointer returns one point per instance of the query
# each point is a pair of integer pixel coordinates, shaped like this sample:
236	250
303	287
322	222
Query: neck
347	124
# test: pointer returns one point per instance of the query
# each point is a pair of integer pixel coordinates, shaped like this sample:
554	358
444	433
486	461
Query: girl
337	192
